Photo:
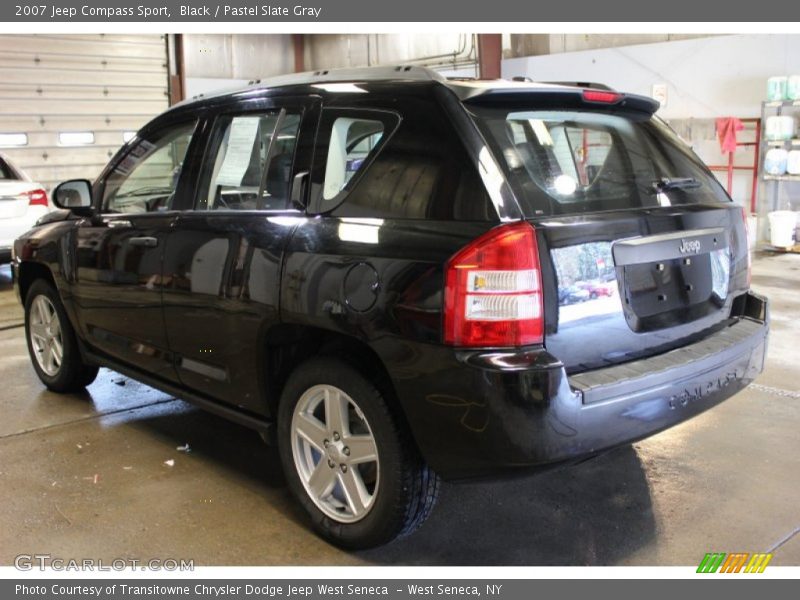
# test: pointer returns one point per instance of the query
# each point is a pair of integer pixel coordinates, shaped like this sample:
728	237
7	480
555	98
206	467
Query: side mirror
298	194
75	195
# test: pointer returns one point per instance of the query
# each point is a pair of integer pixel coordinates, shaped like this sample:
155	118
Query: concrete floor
84	476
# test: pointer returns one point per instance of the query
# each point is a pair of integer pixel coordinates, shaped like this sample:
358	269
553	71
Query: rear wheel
348	459
52	344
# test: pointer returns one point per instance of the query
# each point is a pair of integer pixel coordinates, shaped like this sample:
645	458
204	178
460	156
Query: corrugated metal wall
443	50
105	84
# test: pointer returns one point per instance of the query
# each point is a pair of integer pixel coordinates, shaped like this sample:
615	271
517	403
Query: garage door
70	101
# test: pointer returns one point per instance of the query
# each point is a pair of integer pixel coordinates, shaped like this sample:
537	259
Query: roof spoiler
587	85
555	97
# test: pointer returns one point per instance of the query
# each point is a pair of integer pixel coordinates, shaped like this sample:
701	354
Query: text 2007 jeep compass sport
399	277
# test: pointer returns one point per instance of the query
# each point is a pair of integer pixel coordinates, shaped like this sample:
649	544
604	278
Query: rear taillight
601	96
36	197
747	244
493	290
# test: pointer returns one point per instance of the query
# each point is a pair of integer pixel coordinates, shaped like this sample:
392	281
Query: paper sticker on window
242	135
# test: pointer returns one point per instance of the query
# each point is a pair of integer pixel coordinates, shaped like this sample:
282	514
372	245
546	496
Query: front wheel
52	344
348	459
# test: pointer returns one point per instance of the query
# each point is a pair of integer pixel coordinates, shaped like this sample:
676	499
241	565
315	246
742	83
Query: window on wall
76	138
12	140
251	168
146	178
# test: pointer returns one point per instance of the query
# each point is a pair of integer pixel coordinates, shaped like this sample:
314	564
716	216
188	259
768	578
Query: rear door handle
147	242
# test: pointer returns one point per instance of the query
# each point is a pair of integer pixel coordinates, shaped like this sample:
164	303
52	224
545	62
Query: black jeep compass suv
397	278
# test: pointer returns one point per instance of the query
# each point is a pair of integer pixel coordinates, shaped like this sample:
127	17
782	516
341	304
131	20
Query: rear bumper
486	412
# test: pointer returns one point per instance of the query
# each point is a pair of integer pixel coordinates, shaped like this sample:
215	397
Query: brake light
493	290
601	96
747	244
36	197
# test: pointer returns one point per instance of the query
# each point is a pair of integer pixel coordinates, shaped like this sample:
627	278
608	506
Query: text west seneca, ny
254	10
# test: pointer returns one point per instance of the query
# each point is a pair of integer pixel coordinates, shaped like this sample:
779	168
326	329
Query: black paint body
223	304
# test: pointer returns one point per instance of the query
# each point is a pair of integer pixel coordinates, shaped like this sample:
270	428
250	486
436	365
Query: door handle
118	223
147	242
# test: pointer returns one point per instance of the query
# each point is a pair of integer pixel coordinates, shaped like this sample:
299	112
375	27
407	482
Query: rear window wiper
679	183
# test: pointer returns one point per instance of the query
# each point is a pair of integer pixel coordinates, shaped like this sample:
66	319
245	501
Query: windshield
562	162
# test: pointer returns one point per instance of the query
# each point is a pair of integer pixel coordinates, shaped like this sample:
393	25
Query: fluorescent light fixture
75	138
10	140
127	136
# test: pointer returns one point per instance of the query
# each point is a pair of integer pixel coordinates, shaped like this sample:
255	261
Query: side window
351	141
146	178
417	168
251	166
347	142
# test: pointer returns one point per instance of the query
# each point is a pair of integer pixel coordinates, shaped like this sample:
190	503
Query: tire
399	489
62	371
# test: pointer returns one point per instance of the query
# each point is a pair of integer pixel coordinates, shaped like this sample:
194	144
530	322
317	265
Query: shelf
782	104
788	249
781	177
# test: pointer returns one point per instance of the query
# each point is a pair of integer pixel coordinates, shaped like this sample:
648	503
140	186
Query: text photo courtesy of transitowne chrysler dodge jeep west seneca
398	278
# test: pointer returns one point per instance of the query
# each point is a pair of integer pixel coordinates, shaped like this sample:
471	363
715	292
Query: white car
22	203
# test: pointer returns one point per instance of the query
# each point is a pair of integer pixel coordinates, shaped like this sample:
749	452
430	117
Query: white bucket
781	228
797	227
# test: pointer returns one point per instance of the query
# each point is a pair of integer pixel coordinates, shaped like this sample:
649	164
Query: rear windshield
562	162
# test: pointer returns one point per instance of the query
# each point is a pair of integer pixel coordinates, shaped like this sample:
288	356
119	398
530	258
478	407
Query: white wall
535	44
447	50
706	77
210	85
234	56
215	62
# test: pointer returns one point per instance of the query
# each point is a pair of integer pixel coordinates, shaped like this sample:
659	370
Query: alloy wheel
44	329
335	453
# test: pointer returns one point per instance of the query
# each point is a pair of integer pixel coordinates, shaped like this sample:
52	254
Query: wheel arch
287	346
28	272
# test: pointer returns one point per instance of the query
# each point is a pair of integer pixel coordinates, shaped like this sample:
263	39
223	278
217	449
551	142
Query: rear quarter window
416	168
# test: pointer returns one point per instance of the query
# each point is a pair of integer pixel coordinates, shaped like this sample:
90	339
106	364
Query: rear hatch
641	249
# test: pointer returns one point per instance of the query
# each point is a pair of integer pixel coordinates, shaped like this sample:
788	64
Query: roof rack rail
406	72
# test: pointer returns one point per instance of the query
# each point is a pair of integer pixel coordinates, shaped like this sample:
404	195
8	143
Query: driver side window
146	178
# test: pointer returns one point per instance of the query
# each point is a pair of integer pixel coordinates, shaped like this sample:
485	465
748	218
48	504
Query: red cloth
726	132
